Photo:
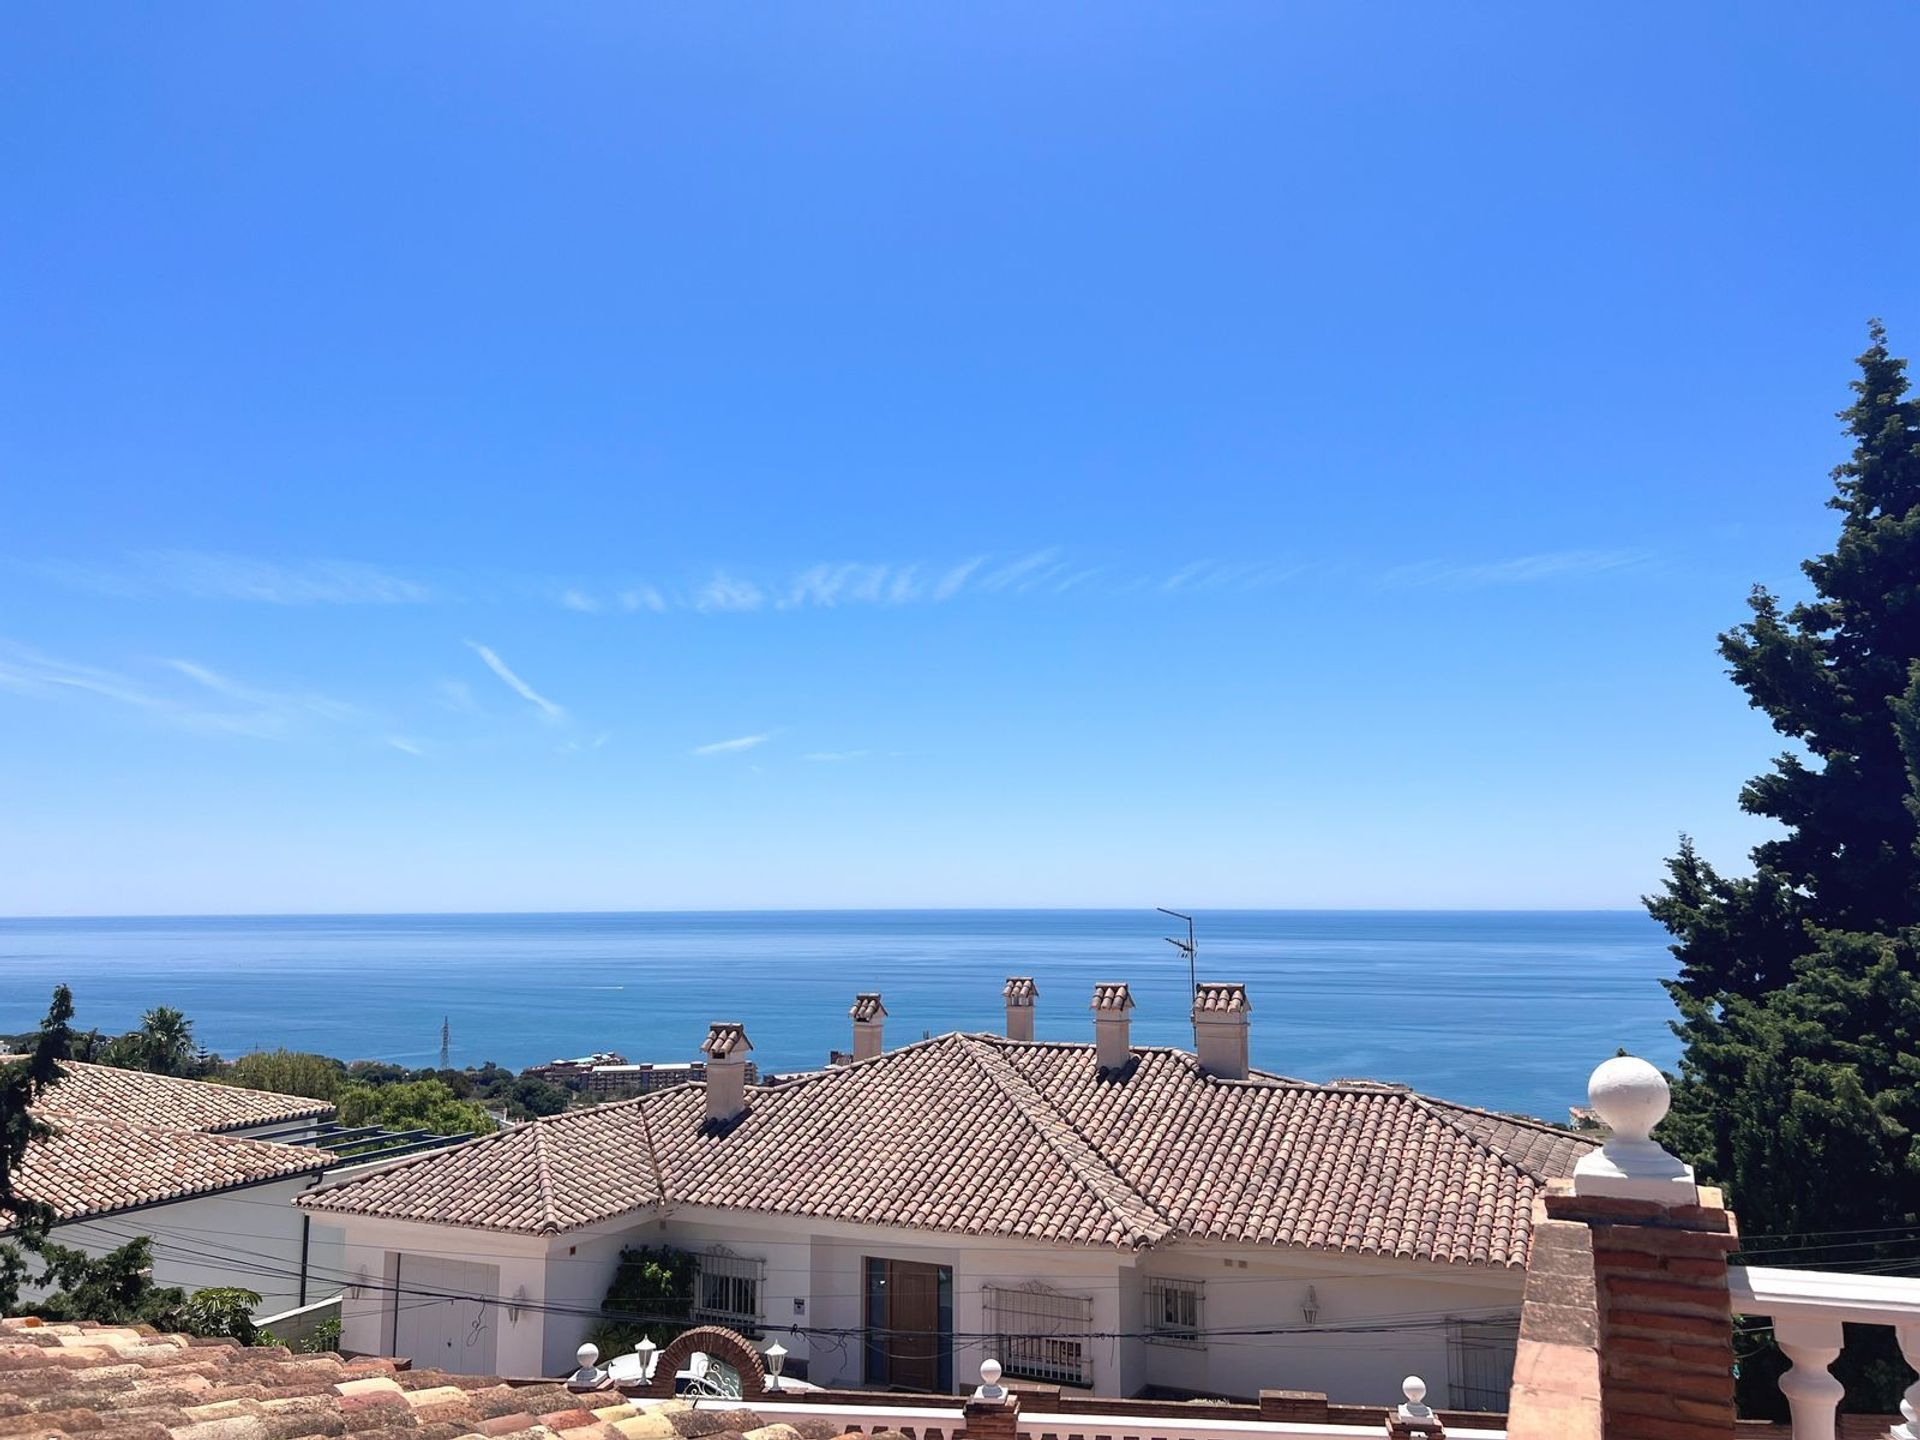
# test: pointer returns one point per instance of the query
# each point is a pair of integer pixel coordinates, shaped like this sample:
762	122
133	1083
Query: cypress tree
1799	984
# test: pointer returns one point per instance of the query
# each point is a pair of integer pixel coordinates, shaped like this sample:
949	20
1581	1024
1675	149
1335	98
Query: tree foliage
411	1105
650	1295
287	1072
1799	984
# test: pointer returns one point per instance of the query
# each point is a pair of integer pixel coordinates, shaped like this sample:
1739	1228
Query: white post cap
990	1387
1631	1097
1414	1408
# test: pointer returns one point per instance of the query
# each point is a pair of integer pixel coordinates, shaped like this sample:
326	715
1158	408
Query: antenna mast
446	1043
1188	947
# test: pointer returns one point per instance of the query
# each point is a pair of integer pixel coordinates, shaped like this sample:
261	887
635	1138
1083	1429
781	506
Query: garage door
443	1318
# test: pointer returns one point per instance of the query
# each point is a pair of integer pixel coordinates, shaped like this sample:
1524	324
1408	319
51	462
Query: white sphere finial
1630	1096
1415	1408
588	1356
989	1372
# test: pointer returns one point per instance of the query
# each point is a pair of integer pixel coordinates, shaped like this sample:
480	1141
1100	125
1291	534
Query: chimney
1021	992
868	1015
1220	1029
726	1048
1112	1004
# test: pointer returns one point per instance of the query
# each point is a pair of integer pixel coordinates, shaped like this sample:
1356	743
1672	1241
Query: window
1043	1334
727	1290
1173	1311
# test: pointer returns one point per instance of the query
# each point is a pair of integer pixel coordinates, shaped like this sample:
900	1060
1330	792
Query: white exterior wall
249	1238
375	1266
1269	1293
822	1265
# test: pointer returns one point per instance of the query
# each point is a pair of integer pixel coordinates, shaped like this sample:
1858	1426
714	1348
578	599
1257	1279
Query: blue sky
624	456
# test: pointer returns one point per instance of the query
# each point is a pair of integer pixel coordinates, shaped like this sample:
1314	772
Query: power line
1417	1321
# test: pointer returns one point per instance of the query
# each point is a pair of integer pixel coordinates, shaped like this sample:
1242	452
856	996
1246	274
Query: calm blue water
1504	1009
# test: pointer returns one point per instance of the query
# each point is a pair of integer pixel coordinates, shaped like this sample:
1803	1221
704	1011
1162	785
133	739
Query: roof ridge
653	1154
543	1162
1081	1156
1437	1108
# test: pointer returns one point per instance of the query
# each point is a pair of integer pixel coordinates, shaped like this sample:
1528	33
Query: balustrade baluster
1909	1406
1812	1343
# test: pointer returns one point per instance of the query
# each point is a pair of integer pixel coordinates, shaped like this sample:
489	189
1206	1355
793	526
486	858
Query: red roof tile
867	1007
978	1135
115	1382
1217	998
94	1166
1112	995
163	1100
1021	989
725	1039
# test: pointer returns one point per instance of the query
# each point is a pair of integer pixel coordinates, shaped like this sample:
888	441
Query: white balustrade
1808	1308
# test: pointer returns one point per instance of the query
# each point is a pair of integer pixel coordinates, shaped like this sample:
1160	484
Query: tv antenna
1188	947
446	1043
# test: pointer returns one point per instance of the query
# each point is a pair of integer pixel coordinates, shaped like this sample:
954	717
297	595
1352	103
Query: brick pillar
993	1419
1298	1407
1665	1319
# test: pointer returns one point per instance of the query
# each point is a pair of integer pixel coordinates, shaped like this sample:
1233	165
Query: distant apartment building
608	1073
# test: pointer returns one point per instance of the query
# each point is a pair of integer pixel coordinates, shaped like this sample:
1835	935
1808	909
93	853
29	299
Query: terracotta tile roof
1110	995
979	1135
1020	988
1216	998
725	1039
162	1100
112	1382
108	1382
867	1007
95	1166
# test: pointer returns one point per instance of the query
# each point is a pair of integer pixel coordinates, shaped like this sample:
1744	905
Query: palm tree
165	1041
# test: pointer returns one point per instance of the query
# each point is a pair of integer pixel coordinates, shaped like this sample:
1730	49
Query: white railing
918	1420
1807	1308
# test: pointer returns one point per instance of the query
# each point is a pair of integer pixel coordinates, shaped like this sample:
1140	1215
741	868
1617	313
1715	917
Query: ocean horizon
1508	1009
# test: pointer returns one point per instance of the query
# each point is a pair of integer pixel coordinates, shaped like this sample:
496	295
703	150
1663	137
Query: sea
1504	1009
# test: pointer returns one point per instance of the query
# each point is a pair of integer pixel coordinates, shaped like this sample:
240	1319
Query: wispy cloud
955	580
263	700
207	575
834	756
729	592
1024	573
642	597
1520	570
406	746
243	709
579	600
514	683
728	747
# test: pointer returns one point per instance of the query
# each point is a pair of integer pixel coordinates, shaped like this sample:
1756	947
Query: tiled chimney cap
1216	999
1021	988
867	1007
726	1039
1112	995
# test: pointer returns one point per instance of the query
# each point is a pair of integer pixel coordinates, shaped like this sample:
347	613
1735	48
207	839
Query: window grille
727	1289
1043	1334
1480	1361
1174	1310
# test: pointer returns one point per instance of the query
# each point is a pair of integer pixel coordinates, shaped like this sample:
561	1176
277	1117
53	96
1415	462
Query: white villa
1115	1218
185	1164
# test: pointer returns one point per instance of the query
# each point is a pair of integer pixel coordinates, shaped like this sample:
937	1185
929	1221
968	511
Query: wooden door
913	1302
